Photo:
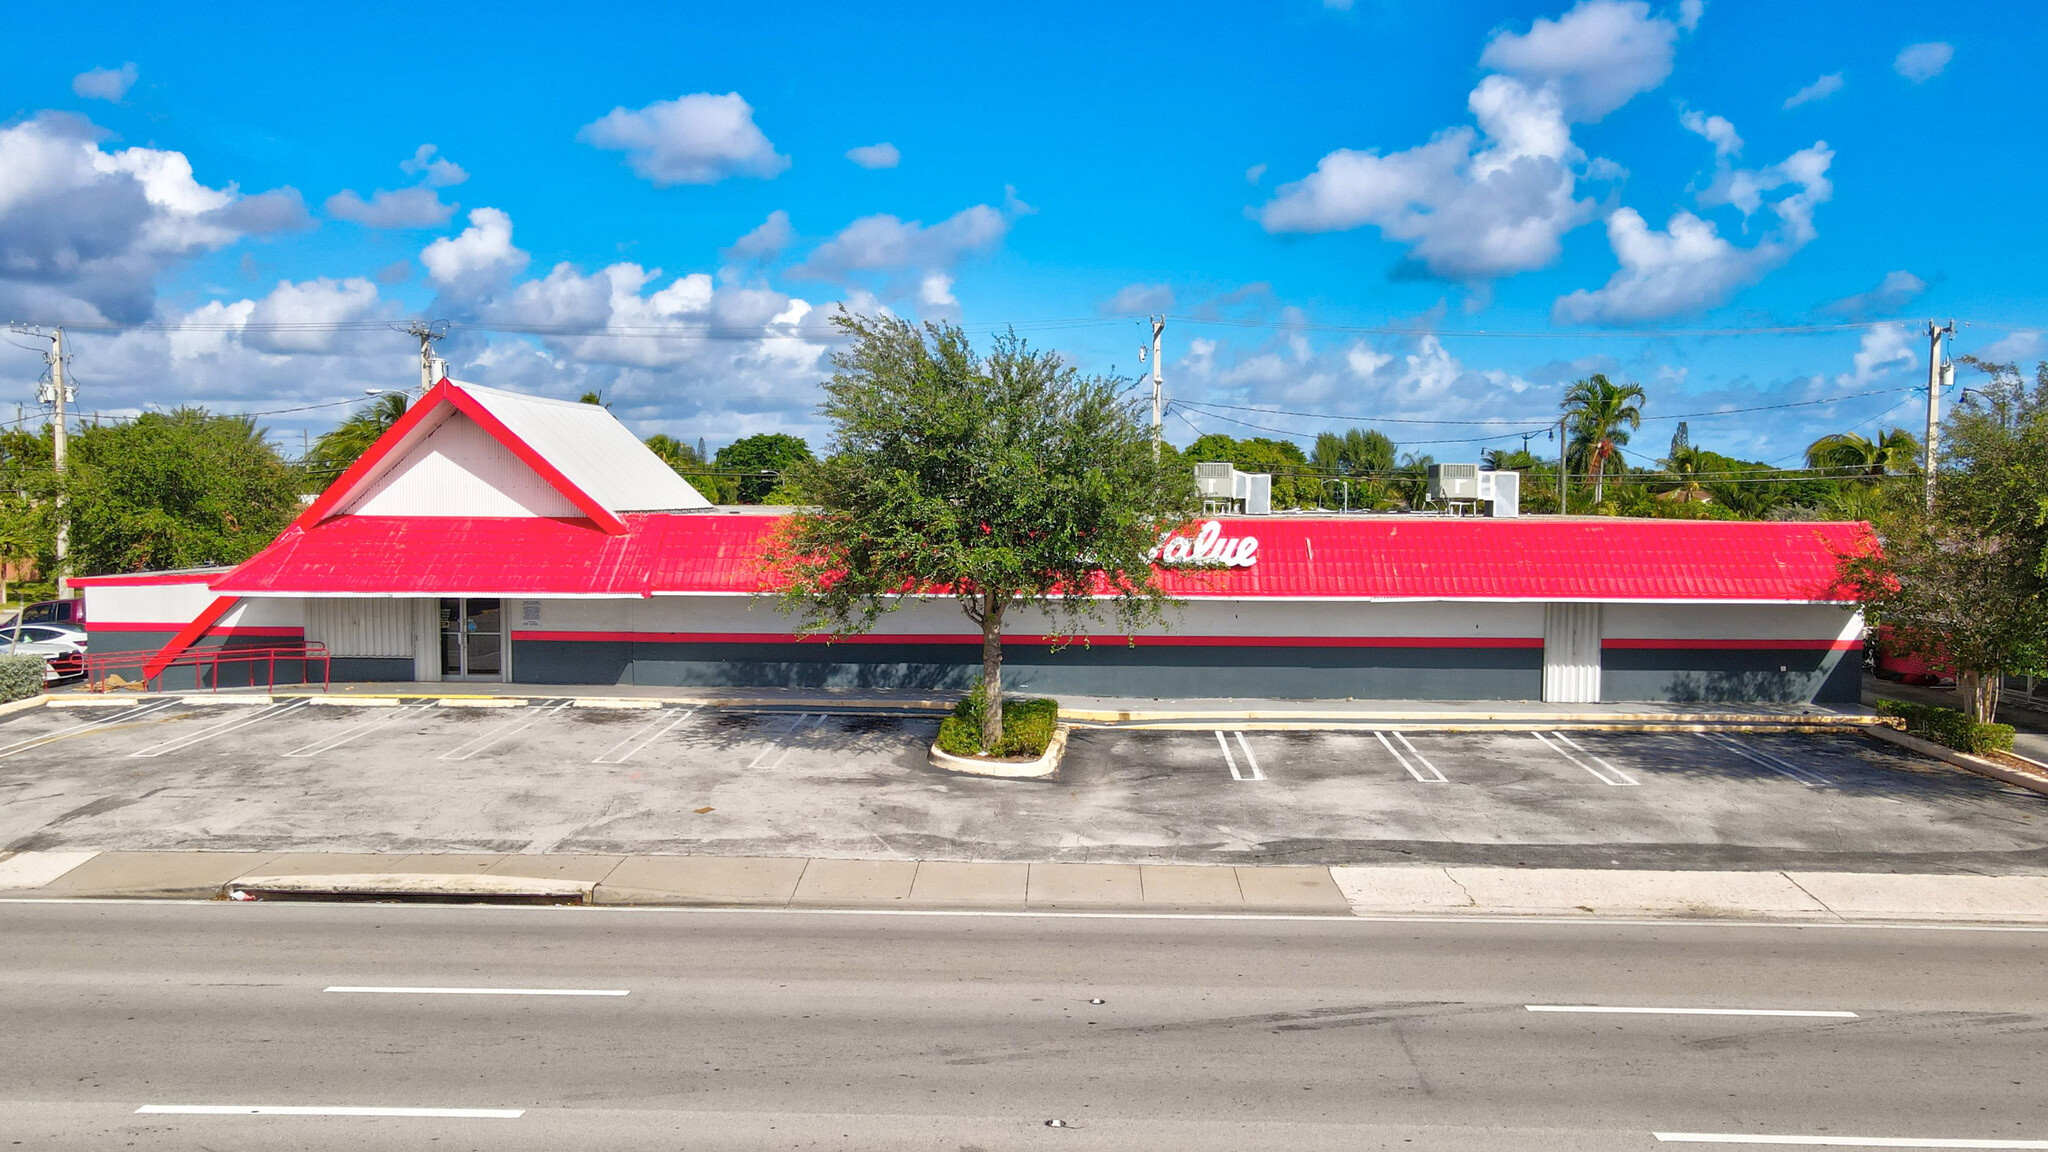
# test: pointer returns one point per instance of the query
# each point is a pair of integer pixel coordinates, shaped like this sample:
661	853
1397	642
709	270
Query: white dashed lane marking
355	731
788	740
236	724
121	717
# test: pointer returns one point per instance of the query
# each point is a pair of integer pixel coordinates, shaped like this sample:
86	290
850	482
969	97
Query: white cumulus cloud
887	243
696	139
406	208
1820	89
1892	293
883	155
1477	205
1923	62
1715	130
1138	299
84	231
766	241
105	83
481	257
1600	55
438	171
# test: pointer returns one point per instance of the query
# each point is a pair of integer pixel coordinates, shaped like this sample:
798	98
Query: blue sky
1330	202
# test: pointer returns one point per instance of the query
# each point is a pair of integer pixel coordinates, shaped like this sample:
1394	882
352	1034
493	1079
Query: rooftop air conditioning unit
1448	482
1213	481
1224	489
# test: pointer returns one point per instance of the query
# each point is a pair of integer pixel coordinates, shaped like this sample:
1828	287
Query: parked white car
62	648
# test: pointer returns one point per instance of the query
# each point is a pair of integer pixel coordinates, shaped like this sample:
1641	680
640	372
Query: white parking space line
354	731
192	739
1251	769
632	745
1427	774
477	991
1610	775
1608	1008
299	1110
787	741
502	731
1776	764
132	712
1839	1141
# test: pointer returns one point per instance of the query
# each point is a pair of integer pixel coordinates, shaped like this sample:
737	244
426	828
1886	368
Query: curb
38	700
418	886
1963	760
1047	764
1548	724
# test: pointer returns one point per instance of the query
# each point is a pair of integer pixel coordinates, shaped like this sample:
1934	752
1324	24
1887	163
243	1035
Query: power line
1355	419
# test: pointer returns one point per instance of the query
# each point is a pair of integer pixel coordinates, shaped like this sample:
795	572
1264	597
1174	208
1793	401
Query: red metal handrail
100	665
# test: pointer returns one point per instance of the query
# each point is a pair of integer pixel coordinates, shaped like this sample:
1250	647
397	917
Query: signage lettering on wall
529	613
1208	545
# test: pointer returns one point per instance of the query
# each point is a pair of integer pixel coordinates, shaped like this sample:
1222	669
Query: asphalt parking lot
548	777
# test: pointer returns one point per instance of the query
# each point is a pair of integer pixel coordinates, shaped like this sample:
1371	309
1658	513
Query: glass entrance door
472	639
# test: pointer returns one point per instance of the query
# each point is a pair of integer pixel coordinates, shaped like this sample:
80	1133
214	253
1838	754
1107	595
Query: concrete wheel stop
1044	767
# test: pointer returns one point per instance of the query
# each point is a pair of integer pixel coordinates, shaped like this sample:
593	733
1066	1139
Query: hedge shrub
20	677
1948	727
1027	727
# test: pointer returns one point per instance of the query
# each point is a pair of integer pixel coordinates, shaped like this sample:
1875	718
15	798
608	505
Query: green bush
20	677
1948	727
1027	727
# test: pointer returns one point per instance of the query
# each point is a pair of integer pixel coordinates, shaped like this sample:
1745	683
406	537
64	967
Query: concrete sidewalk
775	882
1247	714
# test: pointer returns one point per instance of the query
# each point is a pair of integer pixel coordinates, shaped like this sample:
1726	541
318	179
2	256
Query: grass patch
1948	727
1027	728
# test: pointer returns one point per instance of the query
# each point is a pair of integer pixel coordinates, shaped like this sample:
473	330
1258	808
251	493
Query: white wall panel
1731	622
382	626
160	605
460	470
1571	653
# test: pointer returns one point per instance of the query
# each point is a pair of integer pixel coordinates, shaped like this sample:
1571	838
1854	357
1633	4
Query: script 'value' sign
1208	545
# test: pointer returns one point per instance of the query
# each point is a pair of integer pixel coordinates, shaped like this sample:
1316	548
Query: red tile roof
1535	558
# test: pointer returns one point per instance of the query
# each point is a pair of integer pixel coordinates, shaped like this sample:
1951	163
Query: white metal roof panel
590	447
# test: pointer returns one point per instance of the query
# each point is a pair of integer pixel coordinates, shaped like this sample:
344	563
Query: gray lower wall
1732	675
1100	670
234	675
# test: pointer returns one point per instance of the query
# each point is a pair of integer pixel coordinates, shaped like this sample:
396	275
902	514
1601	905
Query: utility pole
427	334
1563	454
1158	326
58	394
1938	374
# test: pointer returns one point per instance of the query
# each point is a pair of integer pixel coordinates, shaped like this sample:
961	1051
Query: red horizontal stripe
1823	645
969	638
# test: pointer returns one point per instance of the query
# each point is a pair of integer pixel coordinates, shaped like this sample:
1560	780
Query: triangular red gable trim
448	392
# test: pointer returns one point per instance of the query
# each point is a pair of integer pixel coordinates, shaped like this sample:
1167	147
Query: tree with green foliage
1006	481
763	462
1895	452
1600	415
333	452
178	489
1966	585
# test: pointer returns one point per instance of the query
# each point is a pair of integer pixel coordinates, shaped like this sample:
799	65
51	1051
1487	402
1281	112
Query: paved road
776	1030
304	776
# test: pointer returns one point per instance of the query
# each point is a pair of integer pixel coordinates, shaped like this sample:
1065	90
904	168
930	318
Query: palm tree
1686	464
333	453
1892	453
1602	413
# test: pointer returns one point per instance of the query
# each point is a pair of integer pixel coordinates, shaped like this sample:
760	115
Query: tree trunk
1979	691
992	670
1599	472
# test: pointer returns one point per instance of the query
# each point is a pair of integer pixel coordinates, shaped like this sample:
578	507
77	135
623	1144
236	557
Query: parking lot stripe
192	739
1605	1008
1612	775
786	741
354	731
298	1110
626	749
477	991
1838	1141
528	720
1248	757
1757	756
132	712
1230	761
1432	777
